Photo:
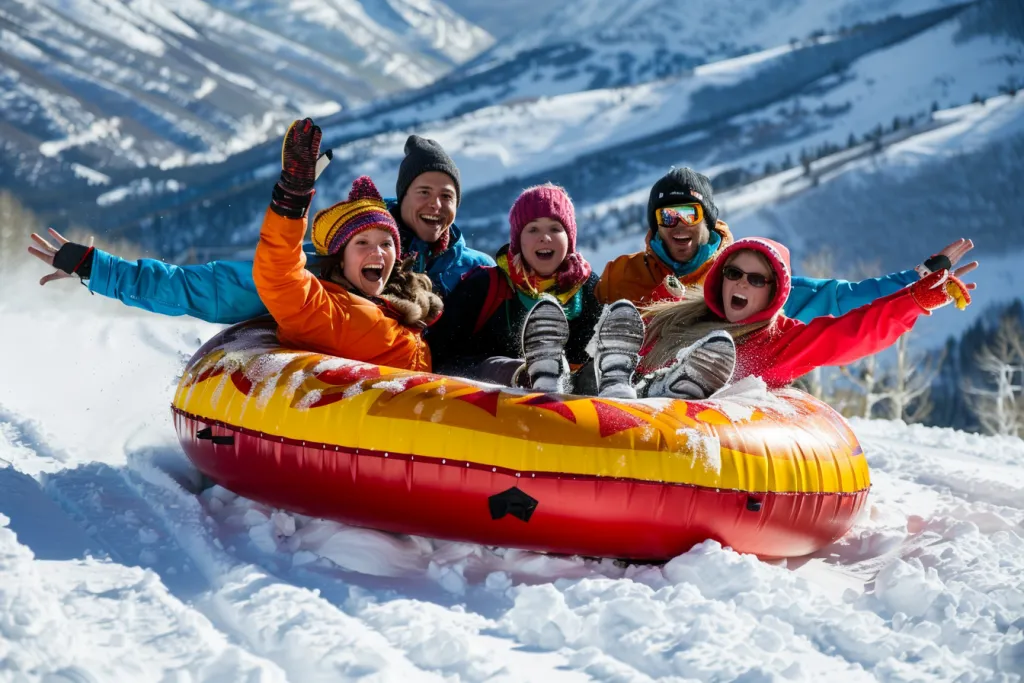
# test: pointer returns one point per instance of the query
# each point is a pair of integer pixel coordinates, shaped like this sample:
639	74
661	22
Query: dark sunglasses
755	279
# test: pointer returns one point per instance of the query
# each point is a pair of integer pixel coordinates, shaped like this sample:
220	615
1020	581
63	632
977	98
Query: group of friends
393	282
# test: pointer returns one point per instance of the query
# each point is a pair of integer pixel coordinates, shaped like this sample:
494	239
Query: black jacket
483	318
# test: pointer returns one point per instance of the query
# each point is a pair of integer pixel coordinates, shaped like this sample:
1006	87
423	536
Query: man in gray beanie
428	193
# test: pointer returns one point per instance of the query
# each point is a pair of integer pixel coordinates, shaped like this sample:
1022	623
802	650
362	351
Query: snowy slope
410	41
500	19
111	570
96	89
686	32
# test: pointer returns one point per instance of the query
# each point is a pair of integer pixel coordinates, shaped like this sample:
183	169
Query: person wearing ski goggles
685	237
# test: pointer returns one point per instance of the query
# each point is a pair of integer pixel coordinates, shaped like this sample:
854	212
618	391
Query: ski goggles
755	279
686	214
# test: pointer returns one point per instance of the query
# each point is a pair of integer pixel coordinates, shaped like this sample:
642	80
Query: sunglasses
755	279
687	214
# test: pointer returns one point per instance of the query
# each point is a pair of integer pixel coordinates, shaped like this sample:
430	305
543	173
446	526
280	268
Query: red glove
670	289
299	152
938	289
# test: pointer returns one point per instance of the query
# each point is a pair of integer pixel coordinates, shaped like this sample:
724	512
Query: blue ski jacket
224	291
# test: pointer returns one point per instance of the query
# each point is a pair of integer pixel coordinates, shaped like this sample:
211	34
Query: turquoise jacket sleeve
812	298
217	292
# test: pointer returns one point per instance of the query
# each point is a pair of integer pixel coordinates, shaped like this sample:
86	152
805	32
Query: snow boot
615	347
545	334
699	370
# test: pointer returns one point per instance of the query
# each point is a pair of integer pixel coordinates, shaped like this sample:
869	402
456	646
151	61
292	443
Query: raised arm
298	301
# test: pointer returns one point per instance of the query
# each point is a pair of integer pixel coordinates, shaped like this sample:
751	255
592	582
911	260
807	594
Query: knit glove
670	289
299	152
938	289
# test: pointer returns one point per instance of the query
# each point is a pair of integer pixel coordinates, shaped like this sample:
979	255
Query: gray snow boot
545	334
699	370
615	346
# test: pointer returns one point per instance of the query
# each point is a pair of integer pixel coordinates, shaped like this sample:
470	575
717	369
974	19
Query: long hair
674	325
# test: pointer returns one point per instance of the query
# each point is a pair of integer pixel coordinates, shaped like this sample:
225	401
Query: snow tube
779	475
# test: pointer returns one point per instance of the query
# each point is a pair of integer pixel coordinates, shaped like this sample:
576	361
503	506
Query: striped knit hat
364	210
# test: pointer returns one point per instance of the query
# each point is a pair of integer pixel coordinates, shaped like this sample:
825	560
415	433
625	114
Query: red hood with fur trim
778	257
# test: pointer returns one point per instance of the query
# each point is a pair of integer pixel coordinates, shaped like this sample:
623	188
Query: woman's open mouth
545	254
373	273
737	302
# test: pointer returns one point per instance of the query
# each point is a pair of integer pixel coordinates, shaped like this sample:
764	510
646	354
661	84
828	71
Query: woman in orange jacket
367	305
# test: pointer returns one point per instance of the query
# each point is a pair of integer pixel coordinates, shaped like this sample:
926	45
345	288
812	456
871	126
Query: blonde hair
674	325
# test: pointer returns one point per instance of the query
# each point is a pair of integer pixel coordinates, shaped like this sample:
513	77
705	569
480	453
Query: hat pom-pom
363	188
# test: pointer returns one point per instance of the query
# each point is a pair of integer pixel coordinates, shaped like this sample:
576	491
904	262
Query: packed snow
112	568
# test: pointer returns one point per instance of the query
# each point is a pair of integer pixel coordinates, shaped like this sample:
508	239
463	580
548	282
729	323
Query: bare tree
869	383
911	385
819	264
866	375
999	406
16	223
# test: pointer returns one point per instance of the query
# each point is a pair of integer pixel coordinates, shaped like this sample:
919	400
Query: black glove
74	259
933	264
299	152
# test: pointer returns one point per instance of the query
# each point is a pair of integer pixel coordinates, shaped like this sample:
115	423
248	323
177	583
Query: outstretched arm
812	297
799	347
217	292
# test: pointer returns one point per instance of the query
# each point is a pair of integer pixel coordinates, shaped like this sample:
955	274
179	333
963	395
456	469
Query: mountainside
734	119
623	41
93	89
727	118
500	19
879	211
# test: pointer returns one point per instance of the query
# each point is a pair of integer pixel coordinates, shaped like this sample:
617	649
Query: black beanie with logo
682	186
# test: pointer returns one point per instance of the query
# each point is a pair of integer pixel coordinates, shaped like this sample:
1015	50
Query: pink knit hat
541	201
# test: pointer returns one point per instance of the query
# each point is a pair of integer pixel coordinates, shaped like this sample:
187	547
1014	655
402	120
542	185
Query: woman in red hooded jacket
734	326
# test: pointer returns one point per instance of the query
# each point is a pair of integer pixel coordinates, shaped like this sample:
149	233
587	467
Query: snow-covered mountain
112	568
731	118
728	117
886	209
618	42
500	19
94	88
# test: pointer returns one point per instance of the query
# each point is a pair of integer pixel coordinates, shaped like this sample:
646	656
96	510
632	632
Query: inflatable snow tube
778	475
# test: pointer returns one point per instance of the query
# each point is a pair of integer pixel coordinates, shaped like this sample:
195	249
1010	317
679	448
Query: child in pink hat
529	320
